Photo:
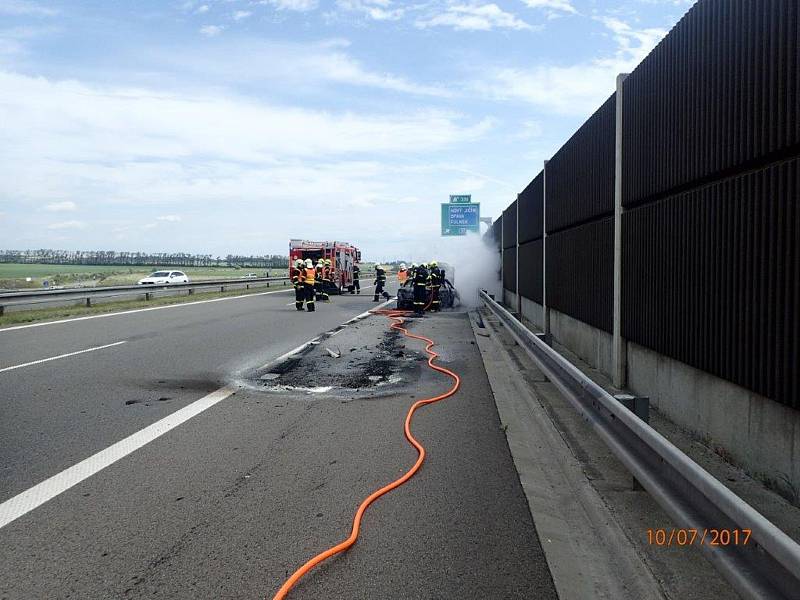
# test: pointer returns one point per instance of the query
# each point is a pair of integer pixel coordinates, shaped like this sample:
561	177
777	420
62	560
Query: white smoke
472	264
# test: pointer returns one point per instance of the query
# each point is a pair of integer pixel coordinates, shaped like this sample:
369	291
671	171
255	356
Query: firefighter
309	282
436	283
402	274
327	279
410	274
318	279
298	277
380	281
420	283
356	289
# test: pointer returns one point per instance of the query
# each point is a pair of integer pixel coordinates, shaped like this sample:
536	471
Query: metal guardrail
36	297
766	567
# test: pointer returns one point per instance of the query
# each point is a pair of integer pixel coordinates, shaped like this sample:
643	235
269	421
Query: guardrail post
247	286
222	288
2	310
147	296
268	284
640	406
191	291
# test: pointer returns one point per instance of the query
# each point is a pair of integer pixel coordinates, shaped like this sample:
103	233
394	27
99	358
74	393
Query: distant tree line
159	259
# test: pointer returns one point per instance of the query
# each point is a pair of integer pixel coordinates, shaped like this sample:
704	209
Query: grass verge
63	312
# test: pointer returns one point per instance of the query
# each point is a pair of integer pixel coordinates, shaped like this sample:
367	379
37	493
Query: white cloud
170	218
298	66
202	9
474	17
241	14
562	5
24	7
296	5
379	10
67	225
61	206
576	89
121	149
211	30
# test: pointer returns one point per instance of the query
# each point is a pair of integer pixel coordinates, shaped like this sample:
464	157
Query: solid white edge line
138	310
30	499
44	360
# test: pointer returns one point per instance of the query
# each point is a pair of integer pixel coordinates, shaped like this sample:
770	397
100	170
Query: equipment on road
398	318
342	256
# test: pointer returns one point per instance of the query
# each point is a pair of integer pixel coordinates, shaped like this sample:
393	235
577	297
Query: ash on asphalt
364	358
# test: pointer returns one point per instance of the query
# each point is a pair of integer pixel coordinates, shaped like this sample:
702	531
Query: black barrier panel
580	177
530	210
712	278
580	272
510	226
530	270
496	231
719	94
510	269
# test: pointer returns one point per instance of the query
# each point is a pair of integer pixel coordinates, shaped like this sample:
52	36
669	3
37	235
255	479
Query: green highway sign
461	218
462	199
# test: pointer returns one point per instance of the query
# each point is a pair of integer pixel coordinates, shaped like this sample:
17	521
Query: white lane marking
367	313
44	360
25	502
137	310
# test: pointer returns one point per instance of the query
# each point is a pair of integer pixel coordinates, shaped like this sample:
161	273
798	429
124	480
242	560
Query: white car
164	277
250	276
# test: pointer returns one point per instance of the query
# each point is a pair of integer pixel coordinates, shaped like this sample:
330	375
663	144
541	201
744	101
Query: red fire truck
341	254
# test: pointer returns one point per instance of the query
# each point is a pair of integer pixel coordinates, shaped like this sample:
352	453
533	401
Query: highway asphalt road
227	503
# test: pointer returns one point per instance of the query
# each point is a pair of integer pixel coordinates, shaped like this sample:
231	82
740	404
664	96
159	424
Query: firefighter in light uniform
309	280
298	277
356	283
402	275
327	279
380	281
436	283
420	285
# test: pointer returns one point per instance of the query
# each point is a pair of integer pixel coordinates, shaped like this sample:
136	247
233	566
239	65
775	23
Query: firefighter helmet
402	266
432	263
309	264
327	261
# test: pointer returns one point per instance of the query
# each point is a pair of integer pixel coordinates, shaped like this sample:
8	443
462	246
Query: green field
14	275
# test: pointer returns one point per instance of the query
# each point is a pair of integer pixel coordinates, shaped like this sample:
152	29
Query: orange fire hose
397	316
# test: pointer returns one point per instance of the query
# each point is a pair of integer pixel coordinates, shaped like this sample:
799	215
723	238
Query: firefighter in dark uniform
436	283
318	279
327	279
356	283
298	277
308	285
420	284
380	281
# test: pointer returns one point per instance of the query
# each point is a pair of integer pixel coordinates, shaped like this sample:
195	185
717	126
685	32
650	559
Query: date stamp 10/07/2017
706	536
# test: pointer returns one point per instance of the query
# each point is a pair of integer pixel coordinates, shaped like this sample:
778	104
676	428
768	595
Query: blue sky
229	126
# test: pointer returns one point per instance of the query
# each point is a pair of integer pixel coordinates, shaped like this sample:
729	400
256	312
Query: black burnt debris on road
363	358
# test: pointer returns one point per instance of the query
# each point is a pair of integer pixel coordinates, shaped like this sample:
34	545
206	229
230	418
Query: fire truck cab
341	254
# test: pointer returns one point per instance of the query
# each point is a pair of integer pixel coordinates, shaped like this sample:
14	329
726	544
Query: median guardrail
767	566
34	298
